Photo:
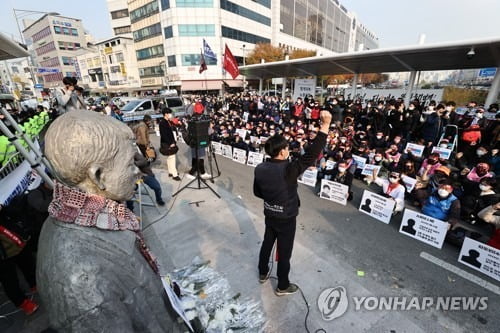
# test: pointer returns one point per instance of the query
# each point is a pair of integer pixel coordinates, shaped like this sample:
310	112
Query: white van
136	109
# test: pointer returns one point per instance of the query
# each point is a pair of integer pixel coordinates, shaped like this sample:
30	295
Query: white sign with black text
481	257
242	133
309	177
303	88
330	165
217	147
334	191
254	158
424	228
227	151
239	155
377	206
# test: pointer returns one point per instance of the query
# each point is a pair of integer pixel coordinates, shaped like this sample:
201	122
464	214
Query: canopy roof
10	49
441	56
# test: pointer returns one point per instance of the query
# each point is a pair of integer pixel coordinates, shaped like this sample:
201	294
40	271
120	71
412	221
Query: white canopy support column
261	84
494	89
354	85
411	85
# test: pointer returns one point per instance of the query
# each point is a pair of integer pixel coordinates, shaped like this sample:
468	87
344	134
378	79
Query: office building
109	66
54	39
168	35
120	18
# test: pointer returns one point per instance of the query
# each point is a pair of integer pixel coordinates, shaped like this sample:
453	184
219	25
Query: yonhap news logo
333	303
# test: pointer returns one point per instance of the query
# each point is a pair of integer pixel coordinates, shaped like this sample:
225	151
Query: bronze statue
94	271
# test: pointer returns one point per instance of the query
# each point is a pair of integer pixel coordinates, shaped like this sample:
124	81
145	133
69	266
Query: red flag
230	64
203	64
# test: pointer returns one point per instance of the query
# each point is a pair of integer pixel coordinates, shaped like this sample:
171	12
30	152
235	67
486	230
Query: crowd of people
461	189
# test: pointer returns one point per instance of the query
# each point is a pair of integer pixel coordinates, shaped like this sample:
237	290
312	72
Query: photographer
66	97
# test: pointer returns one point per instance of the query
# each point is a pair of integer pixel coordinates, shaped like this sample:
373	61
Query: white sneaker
206	175
190	176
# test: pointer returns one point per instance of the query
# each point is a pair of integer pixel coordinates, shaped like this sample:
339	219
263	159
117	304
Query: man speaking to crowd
276	183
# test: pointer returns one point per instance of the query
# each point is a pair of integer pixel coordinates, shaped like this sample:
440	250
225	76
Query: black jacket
276	181
166	134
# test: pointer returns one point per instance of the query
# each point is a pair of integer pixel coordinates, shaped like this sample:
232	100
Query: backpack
473	135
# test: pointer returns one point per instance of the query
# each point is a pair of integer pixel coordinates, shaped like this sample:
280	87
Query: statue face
119	176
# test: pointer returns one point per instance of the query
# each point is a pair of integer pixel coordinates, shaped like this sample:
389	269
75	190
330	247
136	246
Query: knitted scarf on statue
71	205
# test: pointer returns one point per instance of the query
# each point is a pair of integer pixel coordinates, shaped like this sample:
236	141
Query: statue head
94	153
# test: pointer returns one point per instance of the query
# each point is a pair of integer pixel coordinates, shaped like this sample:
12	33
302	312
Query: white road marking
460	272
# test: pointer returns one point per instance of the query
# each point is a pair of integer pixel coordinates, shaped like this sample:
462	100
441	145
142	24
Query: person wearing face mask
474	176
472	128
411	121
482	196
392	188
442	204
426	186
466	160
275	181
378	141
340	174
433	125
429	165
377	160
452	116
298	109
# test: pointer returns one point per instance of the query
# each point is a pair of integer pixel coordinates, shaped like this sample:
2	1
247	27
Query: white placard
409	183
255	158
330	165
253	139
443	152
377	206
368	169
334	191
309	177
263	139
304	87
360	161
423	228
217	147
239	155
175	301
245	116
227	151
481	257
416	150
15	183
242	133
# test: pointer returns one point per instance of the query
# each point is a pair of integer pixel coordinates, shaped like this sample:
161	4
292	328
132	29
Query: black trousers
9	277
282	230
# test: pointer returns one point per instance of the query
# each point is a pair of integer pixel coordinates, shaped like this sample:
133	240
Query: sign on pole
334	191
423	228
377	206
481	257
304	87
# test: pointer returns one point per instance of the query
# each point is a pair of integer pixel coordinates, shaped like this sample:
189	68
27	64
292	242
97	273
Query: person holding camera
66	97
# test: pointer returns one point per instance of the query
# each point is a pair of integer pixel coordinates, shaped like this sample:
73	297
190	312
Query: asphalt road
392	262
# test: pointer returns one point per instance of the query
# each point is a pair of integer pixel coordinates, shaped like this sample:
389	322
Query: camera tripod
198	178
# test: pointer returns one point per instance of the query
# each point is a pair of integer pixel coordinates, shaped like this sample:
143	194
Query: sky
395	22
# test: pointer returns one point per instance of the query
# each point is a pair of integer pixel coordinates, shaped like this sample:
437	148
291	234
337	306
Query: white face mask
443	145
480	153
378	159
484	188
411	108
361	136
479	115
443	193
341	169
379	137
431	108
448	108
342	140
393	180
